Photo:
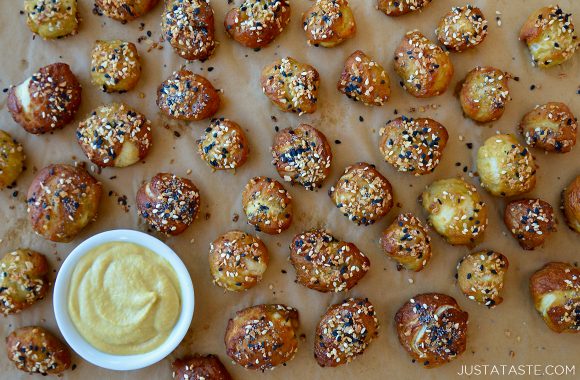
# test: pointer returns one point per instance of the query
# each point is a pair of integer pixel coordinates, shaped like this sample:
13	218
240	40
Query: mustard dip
124	299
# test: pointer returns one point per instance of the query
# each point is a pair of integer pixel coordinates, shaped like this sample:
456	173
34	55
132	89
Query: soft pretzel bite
401	7
530	221
480	276
198	367
223	145
462	28
125	10
364	80
267	205
11	160
571	203
551	127
327	23
484	94
406	241
115	65
52	19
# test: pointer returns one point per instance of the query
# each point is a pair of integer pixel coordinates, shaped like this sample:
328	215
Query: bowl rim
86	350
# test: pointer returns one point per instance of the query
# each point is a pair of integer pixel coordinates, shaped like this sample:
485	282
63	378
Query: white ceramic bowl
79	344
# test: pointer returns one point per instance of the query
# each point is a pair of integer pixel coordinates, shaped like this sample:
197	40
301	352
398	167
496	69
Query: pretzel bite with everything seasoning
484	94
198	367
115	135
462	28
549	34
11	160
291	85
401	7
52	18
551	127
125	10
406	241
267	205
302	155
364	80
187	96
237	260
480	276
46	101
256	23
168	203
530	221
188	25
505	167
344	332
571	203
115	65
455	210
555	290
62	200
34	349
326	264
24	280
327	23
262	337
362	194
432	328
413	145
223	145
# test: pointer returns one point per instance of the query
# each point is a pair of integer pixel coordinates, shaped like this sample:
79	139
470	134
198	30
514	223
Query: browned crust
470	28
535	127
197	367
267	205
223	145
327	23
480	277
530	221
470	94
125	10
364	80
397	8
571	203
407	242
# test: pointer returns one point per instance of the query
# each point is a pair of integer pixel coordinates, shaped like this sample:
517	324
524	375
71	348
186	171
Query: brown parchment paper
510	334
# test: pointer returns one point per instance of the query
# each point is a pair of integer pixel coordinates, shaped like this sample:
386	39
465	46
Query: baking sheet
510	334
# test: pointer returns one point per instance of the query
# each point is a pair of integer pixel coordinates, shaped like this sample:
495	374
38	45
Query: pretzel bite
125	10
198	367
484	94
555	290
52	19
406	241
168	203
551	127
115	135
262	337
267	205
530	221
237	260
115	65
188	25
344	332
256	23
46	101
34	349
24	280
455	210
424	68
401	7
364	80
462	28
480	276
292	86
505	167
11	160
223	145
413	145
571	203
302	155
327	23
432	328
187	96
549	34
62	200
326	264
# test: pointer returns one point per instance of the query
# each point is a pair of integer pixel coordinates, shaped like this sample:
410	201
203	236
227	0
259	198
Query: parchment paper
512	333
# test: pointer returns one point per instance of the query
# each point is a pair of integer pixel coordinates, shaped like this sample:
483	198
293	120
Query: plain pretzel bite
262	337
256	23
555	290
462	28
52	19
362	194
505	167
530	221
364	80
267	205
11	160
198	367
326	264
125	10
46	101
327	23
189	27
484	94
344	332
397	8
187	96
571	203
551	127
302	155
115	135
549	34
291	85
406	241
115	65
481	275
432	328
62	201
223	145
